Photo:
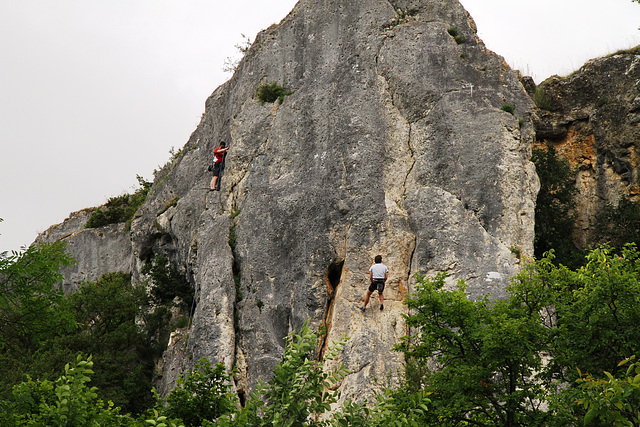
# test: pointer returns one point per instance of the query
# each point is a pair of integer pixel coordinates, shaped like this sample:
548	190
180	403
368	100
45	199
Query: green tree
592	315
167	283
300	391
102	318
32	307
618	225
612	401
202	394
597	313
67	402
555	214
109	313
477	359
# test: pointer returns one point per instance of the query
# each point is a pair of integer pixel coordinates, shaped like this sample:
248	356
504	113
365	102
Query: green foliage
509	108
541	99
230	63
204	393
618	225
41	328
175	156
631	51
481	360
592	315
234	213
233	238
598	312
476	358
31	307
271	92
392	408
455	33
30	304
300	390
67	402
516	251
604	100
121	208
467	362
555	215
612	401
167	283
162	421
109	312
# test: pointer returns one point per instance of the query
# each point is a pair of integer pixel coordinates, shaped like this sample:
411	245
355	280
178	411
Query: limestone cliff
592	117
395	141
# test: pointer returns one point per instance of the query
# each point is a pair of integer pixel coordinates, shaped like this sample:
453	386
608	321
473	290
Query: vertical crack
416	241
332	281
242	397
413	161
237	279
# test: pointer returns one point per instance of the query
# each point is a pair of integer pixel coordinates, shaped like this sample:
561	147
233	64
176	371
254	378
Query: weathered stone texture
96	251
592	118
393	142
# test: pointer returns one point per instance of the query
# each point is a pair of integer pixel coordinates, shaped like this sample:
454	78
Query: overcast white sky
93	92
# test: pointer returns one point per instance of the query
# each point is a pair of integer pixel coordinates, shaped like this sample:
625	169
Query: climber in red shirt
217	164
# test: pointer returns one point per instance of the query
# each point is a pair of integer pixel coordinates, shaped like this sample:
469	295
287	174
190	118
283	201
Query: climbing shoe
362	309
381	307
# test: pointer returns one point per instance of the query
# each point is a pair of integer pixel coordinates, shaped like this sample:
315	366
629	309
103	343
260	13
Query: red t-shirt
219	154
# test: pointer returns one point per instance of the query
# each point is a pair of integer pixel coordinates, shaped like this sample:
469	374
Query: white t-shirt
378	270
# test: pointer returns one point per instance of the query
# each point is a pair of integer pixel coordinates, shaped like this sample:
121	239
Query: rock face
96	251
592	117
394	142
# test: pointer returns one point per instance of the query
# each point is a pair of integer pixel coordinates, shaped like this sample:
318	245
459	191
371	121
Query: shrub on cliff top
121	208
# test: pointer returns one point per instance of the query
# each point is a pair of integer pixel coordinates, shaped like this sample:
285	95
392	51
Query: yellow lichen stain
577	147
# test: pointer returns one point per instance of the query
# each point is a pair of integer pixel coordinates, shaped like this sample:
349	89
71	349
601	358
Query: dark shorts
216	169
376	285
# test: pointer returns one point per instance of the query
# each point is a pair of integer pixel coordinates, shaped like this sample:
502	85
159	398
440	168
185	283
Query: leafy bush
612	401
167	283
271	92
300	391
454	32
593	321
32	308
31	305
470	354
41	328
121	208
509	108
67	402
202	394
109	313
618	225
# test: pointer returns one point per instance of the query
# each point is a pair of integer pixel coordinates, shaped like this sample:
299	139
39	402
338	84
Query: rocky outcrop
592	117
396	140
96	251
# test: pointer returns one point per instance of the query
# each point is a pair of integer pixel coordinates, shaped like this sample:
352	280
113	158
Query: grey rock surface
592	118
96	251
393	142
